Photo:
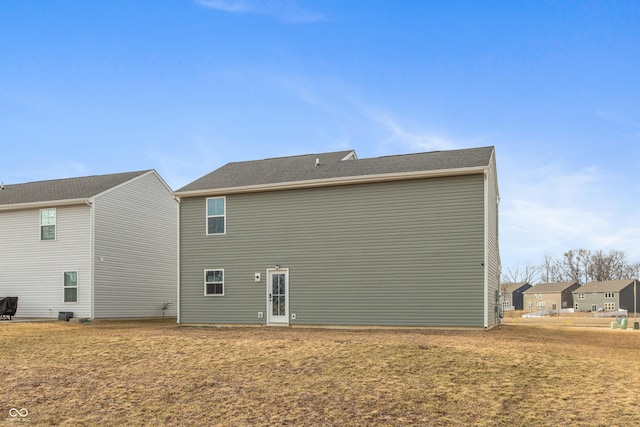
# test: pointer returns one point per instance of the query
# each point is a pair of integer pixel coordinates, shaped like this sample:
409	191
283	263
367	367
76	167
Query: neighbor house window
70	286
609	306
48	224
214	282
609	295
542	304
581	296
216	215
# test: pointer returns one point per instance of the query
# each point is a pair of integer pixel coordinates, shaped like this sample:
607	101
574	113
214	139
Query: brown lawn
157	373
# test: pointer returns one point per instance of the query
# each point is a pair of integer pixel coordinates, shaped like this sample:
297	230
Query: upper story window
48	224
216	210
609	295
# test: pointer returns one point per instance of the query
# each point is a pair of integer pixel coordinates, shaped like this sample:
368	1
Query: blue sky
183	87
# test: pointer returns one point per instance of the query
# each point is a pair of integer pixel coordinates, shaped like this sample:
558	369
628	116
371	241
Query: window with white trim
609	306
214	282
216	215
70	286
542	304
609	295
581	295
48	224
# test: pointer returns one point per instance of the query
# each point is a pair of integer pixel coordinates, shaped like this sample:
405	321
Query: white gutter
178	260
92	254
361	179
42	204
486	250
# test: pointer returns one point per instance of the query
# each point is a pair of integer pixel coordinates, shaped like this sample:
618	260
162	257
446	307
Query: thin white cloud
551	209
614	117
284	10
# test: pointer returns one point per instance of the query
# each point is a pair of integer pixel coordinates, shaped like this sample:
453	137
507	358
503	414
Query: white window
609	295
48	224
609	306
214	282
542	304
581	295
216	209
70	286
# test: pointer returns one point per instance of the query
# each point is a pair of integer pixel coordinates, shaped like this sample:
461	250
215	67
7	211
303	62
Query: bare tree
585	266
529	273
551	270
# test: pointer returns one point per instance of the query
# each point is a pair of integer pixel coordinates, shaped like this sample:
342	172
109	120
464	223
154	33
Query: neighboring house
330	239
512	295
609	295
98	246
549	296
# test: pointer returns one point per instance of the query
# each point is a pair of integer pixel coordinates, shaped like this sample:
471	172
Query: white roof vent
317	162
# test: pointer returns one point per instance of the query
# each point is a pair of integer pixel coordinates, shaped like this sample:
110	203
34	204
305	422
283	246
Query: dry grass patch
157	373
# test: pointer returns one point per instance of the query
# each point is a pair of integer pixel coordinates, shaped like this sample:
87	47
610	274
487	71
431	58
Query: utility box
65	315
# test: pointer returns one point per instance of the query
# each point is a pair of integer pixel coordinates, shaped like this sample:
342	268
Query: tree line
582	265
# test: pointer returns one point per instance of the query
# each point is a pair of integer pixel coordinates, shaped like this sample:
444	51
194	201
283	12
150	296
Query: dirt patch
158	373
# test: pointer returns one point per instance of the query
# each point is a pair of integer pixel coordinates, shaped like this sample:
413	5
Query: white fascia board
44	204
327	182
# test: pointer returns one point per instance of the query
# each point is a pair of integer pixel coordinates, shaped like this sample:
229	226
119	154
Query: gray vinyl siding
396	253
135	253
493	251
32	269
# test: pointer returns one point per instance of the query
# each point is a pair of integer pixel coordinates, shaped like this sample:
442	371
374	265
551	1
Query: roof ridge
79	177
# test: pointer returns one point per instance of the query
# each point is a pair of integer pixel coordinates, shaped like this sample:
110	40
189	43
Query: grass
156	373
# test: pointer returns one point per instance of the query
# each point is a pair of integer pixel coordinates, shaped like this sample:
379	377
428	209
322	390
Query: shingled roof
548	288
62	189
332	166
606	286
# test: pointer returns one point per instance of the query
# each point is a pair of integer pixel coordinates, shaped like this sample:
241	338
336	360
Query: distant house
609	295
97	246
331	239
549	296
512	295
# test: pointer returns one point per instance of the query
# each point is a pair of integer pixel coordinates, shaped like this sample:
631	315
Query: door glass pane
281	306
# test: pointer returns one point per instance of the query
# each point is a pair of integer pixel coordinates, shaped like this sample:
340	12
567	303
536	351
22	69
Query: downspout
92	220
177	199
485	263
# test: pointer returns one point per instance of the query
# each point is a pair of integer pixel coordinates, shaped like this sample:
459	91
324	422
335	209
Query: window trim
65	287
223	216
609	306
55	226
206	270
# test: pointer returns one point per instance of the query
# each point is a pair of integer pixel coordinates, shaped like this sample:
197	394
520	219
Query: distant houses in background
606	296
550	296
611	295
512	295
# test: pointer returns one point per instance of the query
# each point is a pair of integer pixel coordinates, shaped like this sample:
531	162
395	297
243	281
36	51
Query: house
549	296
97	246
609	295
332	239
512	295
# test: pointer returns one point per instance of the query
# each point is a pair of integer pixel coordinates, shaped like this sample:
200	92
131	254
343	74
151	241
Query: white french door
278	297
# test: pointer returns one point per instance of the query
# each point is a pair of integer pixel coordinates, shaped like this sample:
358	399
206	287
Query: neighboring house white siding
34	270
135	249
